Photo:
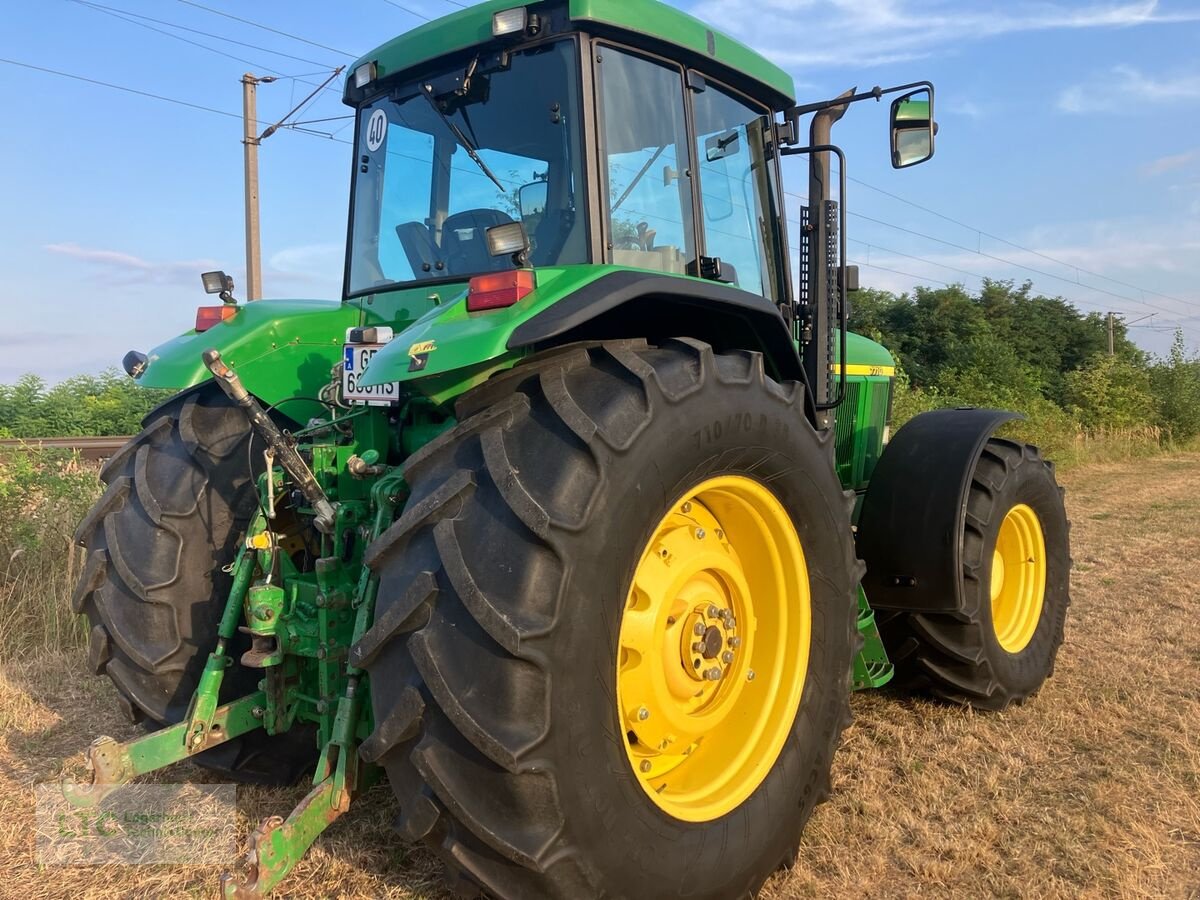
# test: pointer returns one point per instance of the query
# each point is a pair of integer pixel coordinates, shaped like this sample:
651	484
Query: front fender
280	349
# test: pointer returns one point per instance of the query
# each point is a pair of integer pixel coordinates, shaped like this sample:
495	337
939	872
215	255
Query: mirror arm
793	114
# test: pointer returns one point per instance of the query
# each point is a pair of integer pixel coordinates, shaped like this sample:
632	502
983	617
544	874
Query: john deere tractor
577	518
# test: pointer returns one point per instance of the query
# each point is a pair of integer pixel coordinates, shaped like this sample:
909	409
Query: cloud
859	33
1125	88
1170	163
128	269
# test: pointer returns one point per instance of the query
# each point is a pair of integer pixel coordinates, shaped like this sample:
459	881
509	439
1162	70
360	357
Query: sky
1068	153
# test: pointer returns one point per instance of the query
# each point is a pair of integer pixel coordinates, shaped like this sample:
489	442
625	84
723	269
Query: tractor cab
571	136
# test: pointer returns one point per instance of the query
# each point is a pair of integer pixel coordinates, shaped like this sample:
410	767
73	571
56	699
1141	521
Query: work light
505	240
364	75
509	21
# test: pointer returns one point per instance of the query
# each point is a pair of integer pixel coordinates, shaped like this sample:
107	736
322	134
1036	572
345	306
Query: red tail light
499	289
208	316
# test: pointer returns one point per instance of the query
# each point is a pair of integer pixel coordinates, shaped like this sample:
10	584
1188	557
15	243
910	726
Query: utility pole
1110	334
250	142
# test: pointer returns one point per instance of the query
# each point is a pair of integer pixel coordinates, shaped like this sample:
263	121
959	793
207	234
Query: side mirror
913	128
531	199
720	146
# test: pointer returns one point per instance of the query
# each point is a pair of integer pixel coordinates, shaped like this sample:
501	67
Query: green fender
280	348
449	349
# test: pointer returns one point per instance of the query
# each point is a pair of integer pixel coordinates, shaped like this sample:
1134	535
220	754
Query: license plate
356	358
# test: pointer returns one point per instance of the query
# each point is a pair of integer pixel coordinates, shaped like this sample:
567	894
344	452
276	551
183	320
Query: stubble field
1092	789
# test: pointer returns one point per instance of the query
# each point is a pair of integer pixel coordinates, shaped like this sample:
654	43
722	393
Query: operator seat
464	241
422	252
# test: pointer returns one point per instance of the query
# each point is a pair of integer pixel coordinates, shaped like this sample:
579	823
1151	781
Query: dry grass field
1090	790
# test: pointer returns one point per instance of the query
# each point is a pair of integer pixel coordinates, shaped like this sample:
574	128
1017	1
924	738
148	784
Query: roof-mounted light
364	75
511	21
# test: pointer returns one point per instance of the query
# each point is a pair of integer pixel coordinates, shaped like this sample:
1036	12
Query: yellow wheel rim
1018	578
713	648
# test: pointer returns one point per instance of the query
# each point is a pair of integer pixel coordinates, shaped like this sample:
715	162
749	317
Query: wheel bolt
698	647
699	629
713	612
713	674
643	714
727	657
687	506
750	675
720	535
644	765
700	534
735	642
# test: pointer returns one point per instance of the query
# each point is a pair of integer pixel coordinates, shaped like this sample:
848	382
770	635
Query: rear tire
493	657
984	656
178	499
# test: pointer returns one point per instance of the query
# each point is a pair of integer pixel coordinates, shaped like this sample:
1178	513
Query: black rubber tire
178	500
492	656
955	656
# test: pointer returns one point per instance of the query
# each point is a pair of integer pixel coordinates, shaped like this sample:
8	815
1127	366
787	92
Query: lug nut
734	643
713	674
727	657
699	629
750	675
700	534
643	714
720	535
698	647
644	765
687	506
713	612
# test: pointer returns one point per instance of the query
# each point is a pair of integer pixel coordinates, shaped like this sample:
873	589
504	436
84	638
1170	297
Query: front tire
499	645
1000	648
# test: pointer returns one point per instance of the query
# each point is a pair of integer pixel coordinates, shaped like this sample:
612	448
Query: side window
647	160
735	188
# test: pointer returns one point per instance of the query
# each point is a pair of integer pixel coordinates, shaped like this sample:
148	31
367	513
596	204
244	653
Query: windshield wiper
464	141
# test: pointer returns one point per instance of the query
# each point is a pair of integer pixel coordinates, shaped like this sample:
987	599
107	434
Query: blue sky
1069	129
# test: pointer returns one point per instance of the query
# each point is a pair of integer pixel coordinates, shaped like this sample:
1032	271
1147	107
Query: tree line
1008	347
1002	346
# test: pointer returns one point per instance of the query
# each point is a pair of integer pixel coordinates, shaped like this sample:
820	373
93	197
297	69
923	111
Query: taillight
208	316
499	289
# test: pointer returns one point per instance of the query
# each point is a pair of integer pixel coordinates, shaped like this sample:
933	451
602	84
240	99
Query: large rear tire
513	591
1000	648
178	499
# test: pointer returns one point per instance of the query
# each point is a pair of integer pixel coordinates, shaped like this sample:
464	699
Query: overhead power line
252	23
118	87
1015	245
1014	264
220	37
411	12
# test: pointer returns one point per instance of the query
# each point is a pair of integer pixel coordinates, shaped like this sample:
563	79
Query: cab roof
644	23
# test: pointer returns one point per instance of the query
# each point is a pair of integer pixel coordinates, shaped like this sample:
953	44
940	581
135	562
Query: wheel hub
723	565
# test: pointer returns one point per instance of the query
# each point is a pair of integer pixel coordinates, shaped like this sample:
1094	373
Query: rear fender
910	530
280	348
450	348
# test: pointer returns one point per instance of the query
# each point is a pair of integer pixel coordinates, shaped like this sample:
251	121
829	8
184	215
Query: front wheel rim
713	648
1018	582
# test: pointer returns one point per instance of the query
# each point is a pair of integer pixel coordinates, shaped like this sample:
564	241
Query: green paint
280	348
872	668
649	22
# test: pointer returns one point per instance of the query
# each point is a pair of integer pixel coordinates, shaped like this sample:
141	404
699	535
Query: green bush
83	405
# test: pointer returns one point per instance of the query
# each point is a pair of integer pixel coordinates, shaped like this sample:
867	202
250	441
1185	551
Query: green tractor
577	517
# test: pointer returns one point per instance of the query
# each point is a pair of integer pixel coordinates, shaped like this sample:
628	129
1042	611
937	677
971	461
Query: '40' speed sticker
376	130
